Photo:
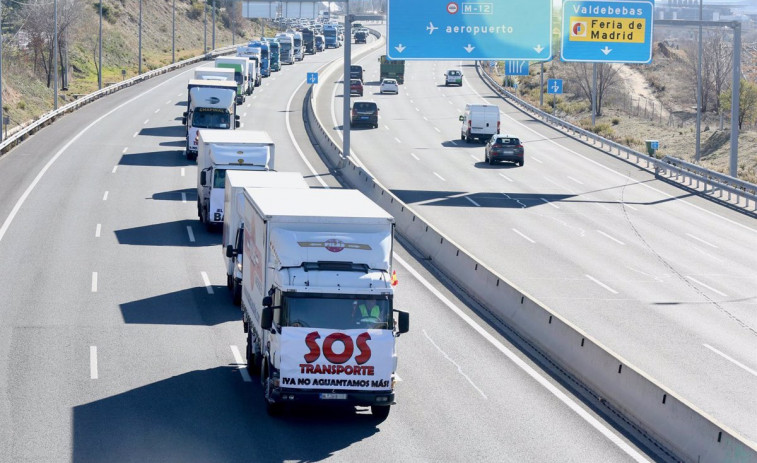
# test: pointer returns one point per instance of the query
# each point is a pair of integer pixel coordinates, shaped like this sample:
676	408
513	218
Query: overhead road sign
516	67
554	86
607	32
469	30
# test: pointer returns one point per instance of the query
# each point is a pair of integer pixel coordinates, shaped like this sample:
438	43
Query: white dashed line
735	362
576	180
506	177
473	202
440	177
115	168
183	171
550	203
414	156
94	282
706	286
398	140
437	129
93	362
206	280
146	121
425	118
125	150
157	111
523	236
601	284
98	229
105	196
191	234
135	134
701	240
610	237
183	197
417	109
536	160
244	115
474	157
241	364
168	102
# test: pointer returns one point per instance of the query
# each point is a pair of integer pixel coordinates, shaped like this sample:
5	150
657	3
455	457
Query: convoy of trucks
211	104
219	151
317	298
253	55
241	73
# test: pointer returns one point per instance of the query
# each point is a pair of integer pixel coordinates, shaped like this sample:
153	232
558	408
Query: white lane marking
183	197
105	196
550	203
244	114
135	134
601	284
241	125
180	95
576	180
168	102
440	177
506	177
398	140
523	366
206	281
115	168
623	176
448	101
474	202
386	127
98	229
146	121
611	237
535	159
416	157
425	118
524	236
93	362
437	129
734	361
701	240
191	234
474	157
125	149
457	366
183	171
706	286
417	109
27	192
241	364
255	96
249	105
629	206
157	111
411	101
94	282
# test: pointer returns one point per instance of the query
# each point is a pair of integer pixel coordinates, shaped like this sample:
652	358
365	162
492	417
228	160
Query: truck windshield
336	312
210	118
264	54
285	48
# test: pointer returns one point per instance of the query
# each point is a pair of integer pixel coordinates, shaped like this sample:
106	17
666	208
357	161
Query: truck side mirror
266	318
236	124
230	251
461	118
184	114
403	322
203	178
267	301
183	121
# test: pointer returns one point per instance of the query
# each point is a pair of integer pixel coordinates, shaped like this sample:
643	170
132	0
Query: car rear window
365	106
508	141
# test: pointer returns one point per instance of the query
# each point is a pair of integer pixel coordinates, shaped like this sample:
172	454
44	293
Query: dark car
504	148
361	36
356	87
356	72
364	113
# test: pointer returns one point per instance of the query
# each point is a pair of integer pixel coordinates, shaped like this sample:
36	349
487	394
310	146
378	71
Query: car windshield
339	313
390	82
454	73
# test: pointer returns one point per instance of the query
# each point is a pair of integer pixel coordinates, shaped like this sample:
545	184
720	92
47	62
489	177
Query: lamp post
213	43
100	51
205	27
140	38
173	33
2	113
55	55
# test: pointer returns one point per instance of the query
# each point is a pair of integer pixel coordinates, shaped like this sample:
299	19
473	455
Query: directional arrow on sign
538	49
469	48
400	48
606	50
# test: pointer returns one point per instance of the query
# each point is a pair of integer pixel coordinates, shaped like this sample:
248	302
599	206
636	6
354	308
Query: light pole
699	87
2	112
213	43
100	51
140	38
173	33
55	55
205	27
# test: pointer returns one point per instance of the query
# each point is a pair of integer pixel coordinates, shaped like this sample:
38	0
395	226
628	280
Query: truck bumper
307	396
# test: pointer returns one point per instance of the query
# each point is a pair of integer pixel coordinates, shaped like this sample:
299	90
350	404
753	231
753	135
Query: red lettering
315	351
365	350
329	353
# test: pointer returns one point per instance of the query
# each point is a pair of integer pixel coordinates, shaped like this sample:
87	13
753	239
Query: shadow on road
192	306
466	199
190	194
169	131
169	234
172	158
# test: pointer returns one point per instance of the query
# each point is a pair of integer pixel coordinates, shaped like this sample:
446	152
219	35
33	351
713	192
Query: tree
717	57
747	102
581	75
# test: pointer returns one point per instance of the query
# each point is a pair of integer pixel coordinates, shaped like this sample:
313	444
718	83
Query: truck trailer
317	298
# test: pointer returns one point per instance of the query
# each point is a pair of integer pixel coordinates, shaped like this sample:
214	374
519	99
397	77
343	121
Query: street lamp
173	33
55	55
100	51
140	38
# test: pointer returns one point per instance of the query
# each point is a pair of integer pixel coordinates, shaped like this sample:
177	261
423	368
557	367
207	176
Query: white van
480	121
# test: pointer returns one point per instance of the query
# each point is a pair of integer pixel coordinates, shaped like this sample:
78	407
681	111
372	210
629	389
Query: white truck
219	151
241	76
479	122
286	47
299	49
210	105
233	208
212	73
254	55
317	298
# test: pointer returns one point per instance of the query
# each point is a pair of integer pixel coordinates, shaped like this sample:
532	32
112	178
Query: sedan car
356	87
453	77
504	148
389	86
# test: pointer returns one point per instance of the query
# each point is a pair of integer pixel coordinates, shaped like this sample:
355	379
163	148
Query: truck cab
211	105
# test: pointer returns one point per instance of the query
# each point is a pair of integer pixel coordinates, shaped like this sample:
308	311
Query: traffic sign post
312	77
554	86
469	30
607	32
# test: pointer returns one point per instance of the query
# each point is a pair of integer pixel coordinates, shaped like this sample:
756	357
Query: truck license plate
330	396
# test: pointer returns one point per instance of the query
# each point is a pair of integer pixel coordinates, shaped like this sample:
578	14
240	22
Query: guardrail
49	117
596	372
707	181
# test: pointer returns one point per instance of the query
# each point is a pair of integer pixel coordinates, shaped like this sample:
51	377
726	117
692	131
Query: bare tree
717	55
581	75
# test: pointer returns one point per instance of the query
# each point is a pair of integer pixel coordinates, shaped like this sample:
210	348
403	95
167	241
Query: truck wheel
272	408
236	292
229	282
380	412
199	211
253	365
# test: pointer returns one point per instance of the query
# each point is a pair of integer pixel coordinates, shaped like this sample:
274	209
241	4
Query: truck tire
253	365
236	293
272	408
380	412
230	282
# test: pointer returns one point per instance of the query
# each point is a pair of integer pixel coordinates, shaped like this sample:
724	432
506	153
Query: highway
662	277
118	339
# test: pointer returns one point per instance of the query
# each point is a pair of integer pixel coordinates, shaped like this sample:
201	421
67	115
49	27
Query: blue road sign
554	86
607	32
469	30
312	77
516	67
